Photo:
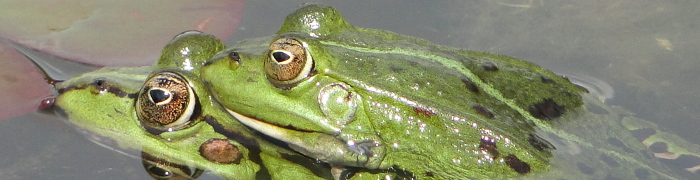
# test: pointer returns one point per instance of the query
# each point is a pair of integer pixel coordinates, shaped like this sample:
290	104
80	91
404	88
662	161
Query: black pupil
280	56
158	95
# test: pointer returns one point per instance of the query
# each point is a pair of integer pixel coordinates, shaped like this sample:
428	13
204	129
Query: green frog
355	97
165	114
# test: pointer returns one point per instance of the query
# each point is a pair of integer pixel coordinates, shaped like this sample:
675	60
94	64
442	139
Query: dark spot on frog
252	145
516	164
470	85
547	109
617	143
608	160
585	169
658	147
424	111
396	69
540	144
220	151
490	147
642	134
684	161
430	174
641	173
546	79
489	66
483	111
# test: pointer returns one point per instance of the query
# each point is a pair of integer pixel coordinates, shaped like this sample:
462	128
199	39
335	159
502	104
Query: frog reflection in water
165	114
355	97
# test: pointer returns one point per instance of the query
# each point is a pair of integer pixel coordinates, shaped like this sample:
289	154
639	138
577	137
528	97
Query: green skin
102	104
379	100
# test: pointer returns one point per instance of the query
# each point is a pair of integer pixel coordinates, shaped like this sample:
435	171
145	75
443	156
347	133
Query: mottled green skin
415	112
93	103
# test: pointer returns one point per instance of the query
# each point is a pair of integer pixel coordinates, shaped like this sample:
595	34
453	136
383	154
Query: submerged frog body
355	97
165	114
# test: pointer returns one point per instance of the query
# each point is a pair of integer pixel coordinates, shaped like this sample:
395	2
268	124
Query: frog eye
165	101
289	61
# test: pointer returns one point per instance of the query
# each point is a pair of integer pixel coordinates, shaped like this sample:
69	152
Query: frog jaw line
293	138
322	149
270	130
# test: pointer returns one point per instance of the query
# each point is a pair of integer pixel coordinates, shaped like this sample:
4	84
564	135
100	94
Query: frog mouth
295	139
265	128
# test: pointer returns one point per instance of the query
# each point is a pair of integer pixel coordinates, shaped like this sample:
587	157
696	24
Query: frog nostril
159	96
99	82
234	56
100	85
281	56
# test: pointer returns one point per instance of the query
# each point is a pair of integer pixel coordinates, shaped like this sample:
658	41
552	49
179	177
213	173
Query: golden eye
165	101
288	62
